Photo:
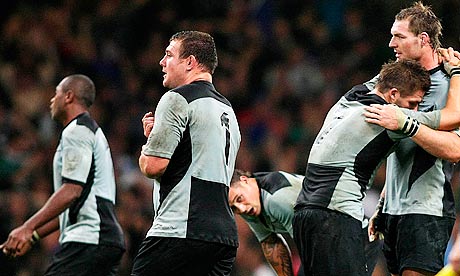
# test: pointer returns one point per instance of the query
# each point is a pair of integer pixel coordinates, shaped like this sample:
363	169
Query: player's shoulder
278	204
293	178
82	127
199	90
439	78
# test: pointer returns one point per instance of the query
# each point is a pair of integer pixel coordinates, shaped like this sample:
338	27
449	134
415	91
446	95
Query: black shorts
416	241
174	256
82	259
329	243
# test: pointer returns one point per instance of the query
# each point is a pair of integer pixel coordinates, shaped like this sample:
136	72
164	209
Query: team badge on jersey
72	157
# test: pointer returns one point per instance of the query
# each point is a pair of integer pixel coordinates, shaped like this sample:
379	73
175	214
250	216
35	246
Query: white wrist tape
410	127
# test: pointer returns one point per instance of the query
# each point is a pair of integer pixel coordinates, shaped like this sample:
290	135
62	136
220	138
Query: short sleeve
77	155
171	117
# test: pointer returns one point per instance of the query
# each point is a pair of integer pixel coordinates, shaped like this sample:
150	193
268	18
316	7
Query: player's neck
384	96
200	76
429	60
72	114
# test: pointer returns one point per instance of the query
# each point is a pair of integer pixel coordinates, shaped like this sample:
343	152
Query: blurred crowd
282	64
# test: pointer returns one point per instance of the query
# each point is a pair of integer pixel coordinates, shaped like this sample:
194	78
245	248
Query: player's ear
191	62
69	96
425	39
394	95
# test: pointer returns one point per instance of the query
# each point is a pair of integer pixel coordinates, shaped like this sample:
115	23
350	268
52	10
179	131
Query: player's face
173	66
410	102
58	103
244	198
404	43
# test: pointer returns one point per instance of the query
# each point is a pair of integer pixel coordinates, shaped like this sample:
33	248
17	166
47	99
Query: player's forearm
152	166
450	114
48	228
56	204
277	253
442	144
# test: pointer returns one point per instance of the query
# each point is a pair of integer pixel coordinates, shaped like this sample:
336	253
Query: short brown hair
407	76
422	19
199	44
237	174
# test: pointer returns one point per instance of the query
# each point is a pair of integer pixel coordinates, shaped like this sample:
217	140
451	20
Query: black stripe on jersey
436	69
448	200
271	181
319	185
85	119
422	162
110	231
179	163
208	196
360	93
200	89
74	209
369	158
71	181
320	180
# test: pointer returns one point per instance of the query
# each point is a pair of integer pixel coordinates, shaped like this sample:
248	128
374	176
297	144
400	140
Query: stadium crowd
282	64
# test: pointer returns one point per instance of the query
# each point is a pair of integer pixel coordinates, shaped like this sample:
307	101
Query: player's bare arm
19	240
152	166
277	253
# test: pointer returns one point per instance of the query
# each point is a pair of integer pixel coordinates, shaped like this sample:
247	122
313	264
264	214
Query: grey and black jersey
278	194
346	154
417	182
83	158
196	128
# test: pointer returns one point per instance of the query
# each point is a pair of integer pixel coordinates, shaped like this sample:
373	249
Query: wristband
455	71
410	127
380	203
451	69
35	237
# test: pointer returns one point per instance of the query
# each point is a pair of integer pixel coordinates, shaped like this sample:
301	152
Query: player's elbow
146	169
452	154
453	157
148	173
152	167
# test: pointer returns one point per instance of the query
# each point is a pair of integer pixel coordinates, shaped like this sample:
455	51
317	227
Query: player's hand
18	243
5	250
377	223
391	117
450	60
147	123
376	226
388	116
18	252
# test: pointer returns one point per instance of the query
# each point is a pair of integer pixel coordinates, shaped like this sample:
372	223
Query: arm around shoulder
442	144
